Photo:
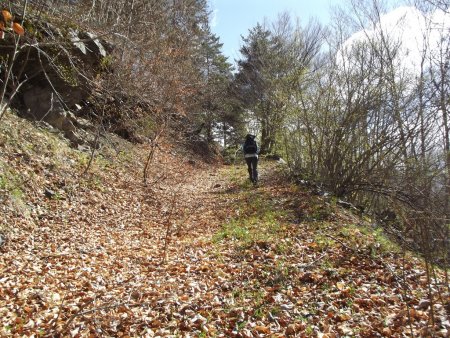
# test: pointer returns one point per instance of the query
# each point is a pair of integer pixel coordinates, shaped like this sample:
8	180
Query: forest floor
196	252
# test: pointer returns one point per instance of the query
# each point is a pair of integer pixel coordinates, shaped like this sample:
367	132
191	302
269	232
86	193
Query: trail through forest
94	245
199	251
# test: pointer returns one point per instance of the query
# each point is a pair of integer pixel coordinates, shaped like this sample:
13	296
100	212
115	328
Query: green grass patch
259	219
249	231
374	240
323	242
10	182
385	244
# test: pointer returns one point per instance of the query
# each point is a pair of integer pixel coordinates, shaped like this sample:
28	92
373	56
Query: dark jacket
250	139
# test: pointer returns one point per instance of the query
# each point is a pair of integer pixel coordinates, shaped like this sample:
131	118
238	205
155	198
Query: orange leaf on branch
18	29
6	15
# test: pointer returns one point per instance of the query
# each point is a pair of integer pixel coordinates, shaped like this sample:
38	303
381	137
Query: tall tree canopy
274	62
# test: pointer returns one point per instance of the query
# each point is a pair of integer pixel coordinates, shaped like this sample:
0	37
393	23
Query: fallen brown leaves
105	256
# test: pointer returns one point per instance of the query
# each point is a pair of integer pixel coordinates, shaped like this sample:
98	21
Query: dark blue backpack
250	146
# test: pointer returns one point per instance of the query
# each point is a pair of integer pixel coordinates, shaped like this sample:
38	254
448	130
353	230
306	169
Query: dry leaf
18	29
6	15
340	286
262	329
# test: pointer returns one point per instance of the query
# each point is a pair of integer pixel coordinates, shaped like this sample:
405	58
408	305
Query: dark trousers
252	166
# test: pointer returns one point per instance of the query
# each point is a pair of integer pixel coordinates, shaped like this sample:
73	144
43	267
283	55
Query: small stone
423	304
2	240
49	193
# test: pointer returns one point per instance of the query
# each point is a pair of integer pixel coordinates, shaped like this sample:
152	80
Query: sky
232	18
408	25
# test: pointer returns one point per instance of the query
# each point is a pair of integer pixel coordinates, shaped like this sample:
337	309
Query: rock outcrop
56	77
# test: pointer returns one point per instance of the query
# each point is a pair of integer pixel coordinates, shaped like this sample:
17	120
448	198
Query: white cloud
214	18
411	29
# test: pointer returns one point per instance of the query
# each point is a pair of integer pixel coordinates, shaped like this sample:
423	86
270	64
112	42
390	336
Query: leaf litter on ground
196	252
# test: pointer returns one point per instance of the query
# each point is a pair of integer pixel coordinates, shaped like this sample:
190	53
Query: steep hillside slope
196	252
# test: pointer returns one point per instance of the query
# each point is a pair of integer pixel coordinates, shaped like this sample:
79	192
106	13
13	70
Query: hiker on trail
250	148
